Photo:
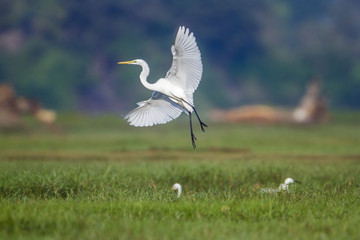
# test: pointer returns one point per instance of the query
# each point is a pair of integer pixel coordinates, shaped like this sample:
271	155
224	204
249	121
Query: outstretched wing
159	109
186	68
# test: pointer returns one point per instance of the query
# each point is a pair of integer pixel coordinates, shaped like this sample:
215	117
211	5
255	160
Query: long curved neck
179	191
144	74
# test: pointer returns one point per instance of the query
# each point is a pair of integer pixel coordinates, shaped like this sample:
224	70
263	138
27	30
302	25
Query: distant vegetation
64	52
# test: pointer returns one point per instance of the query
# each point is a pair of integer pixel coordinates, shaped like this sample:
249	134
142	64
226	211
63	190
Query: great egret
173	94
177	187
282	187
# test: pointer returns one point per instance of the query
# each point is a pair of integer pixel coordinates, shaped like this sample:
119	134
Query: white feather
186	69
159	109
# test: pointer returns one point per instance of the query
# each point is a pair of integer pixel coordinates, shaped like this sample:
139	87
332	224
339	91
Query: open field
101	179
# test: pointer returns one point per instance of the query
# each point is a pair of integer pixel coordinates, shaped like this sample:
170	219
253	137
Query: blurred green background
64	53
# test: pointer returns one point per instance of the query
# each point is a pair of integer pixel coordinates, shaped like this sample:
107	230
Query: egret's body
282	187
177	187
173	94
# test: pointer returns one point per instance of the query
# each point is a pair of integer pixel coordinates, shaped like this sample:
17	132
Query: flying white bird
283	186
173	94
177	187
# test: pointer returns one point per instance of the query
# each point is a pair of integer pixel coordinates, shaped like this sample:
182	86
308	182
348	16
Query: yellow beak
127	62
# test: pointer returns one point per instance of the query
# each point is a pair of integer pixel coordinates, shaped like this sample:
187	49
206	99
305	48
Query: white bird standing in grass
173	94
177	187
283	186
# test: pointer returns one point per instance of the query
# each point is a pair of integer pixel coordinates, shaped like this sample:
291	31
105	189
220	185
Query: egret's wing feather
186	69
159	109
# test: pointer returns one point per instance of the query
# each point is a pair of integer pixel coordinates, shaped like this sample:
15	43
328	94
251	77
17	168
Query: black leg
201	122
193	138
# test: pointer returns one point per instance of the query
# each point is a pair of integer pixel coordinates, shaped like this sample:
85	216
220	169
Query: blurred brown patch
13	107
311	109
251	114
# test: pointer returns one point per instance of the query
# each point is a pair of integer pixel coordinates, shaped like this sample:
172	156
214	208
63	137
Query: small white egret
173	94
282	187
177	187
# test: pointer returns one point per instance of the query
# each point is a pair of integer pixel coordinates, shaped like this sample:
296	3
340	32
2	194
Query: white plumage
282	187
186	68
159	109
177	187
173	94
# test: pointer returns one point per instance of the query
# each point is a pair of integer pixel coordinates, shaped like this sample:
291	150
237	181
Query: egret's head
290	180
136	62
176	186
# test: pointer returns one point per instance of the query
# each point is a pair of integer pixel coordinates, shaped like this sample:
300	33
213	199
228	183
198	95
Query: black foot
193	139
203	124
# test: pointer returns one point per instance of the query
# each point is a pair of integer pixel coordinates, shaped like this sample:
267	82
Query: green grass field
101	179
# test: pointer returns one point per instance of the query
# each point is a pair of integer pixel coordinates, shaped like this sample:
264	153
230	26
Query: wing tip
185	30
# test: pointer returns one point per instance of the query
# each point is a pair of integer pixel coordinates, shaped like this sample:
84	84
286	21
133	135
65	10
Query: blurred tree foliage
65	52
